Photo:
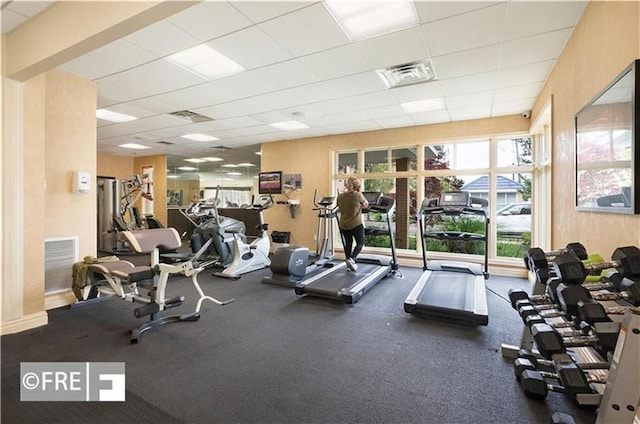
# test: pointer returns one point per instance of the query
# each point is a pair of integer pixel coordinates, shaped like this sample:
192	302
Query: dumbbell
592	311
540	362
550	295
538	258
602	335
573	382
571	270
569	295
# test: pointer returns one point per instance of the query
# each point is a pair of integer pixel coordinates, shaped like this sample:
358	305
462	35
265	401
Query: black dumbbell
536	260
569	295
573	382
571	270
603	336
540	362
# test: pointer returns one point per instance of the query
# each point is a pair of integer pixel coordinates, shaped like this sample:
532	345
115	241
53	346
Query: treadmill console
373	197
455	200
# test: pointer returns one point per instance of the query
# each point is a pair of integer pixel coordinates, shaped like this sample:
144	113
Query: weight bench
123	279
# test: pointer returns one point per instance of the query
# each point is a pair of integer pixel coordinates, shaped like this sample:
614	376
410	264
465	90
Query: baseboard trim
27	322
59	299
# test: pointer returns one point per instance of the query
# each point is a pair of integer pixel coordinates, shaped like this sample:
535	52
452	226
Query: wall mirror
606	148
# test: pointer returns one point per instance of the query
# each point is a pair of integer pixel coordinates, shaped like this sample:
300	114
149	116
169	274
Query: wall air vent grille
190	116
59	256
407	74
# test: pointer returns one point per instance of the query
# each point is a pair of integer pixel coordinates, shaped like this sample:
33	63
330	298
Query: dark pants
348	237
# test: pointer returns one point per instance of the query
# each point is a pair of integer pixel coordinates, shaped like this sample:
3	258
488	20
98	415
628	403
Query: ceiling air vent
168	143
407	74
220	148
190	116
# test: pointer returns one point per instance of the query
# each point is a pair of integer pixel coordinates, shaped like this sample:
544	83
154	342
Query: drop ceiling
489	58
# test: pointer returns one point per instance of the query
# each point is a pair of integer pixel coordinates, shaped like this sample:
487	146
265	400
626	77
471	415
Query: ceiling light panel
200	137
108	115
366	19
204	61
134	146
289	125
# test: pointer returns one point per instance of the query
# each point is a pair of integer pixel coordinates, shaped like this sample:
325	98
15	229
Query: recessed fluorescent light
134	146
200	137
258	153
366	19
187	168
245	164
423	105
234	173
195	160
289	125
172	176
229	165
108	115
205	62
212	159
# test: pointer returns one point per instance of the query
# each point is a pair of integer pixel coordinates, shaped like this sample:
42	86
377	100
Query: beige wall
312	158
605	41
114	166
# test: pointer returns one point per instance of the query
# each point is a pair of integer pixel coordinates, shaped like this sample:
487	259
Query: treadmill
339	284
450	290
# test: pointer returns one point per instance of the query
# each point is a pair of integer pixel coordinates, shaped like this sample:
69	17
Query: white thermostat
81	182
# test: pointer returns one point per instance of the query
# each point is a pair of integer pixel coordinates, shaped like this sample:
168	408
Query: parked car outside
514	218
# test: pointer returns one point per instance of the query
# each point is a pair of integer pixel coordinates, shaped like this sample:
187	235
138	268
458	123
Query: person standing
351	223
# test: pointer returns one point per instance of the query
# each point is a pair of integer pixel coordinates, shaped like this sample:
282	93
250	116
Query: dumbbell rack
526	339
621	400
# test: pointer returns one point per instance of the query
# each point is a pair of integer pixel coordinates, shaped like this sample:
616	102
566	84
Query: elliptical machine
248	257
291	264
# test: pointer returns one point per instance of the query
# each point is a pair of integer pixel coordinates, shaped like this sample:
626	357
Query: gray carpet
275	357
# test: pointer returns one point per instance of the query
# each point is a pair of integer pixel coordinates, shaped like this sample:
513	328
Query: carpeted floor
275	357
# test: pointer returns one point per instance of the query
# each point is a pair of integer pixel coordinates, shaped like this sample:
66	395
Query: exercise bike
248	257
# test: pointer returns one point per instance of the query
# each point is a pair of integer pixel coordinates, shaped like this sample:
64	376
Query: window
497	169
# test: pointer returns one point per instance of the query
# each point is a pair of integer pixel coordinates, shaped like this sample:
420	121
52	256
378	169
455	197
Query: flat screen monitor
270	182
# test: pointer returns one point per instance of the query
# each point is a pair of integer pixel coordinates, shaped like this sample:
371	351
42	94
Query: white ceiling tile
468	62
311	93
395	48
233	109
12	20
122	55
291	73
469	83
154	78
319	29
197	96
533	72
526	18
468	100
132	110
434	117
162	38
513	107
259	11
154	104
534	49
335	106
463	32
429	11
271	117
384	112
245	84
475	112
338	62
353	85
111	93
377	99
411	93
210	19
89	67
517	92
353	127
251	48
395	122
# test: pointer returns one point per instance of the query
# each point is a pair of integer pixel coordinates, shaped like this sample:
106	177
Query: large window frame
492	171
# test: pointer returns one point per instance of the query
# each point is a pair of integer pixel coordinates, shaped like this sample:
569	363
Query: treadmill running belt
449	290
338	281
